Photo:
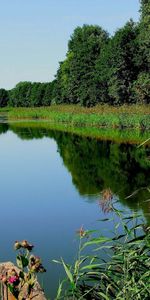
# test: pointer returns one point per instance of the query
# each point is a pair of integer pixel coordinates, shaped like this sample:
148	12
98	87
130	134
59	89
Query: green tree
4	97
28	94
49	93
76	76
20	95
144	36
116	68
141	88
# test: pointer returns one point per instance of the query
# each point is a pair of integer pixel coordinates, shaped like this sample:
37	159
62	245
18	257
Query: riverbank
134	116
43	128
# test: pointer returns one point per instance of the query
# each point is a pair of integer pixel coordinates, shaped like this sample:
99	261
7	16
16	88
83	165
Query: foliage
116	68
116	267
75	77
99	116
24	275
103	69
143	38
141	88
27	94
97	69
31	129
3	98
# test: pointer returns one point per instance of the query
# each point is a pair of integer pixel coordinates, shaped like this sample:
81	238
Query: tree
116	68
49	93
28	94
97	68
20	95
144	36
76	75
4	97
141	88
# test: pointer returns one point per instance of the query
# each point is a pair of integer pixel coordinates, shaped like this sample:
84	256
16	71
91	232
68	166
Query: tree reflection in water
96	165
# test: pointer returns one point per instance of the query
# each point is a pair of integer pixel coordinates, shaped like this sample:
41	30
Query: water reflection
97	165
3	128
106	200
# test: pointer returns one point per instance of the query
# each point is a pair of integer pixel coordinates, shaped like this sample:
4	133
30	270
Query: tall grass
116	267
100	116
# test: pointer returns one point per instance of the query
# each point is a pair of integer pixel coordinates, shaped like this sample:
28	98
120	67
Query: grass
116	267
134	116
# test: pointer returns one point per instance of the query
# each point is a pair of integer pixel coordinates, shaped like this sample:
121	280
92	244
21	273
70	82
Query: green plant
117	267
21	280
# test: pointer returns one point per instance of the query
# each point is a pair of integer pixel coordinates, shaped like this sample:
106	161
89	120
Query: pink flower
13	279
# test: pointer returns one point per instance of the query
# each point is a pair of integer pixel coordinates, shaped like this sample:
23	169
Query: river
51	183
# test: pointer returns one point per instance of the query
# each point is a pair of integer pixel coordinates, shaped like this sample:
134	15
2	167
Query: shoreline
100	116
128	136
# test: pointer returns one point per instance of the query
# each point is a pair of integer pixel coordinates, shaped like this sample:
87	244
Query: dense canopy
97	69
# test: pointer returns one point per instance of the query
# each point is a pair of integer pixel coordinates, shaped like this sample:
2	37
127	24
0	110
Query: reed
116	267
134	116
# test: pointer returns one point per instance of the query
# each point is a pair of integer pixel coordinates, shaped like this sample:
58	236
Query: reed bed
134	116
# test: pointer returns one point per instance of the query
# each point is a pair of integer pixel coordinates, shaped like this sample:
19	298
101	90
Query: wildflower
26	245
35	264
81	232
13	279
17	245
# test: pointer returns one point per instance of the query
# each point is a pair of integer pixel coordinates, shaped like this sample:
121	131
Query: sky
34	33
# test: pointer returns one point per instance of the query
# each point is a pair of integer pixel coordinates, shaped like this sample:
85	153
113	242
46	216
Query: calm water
50	184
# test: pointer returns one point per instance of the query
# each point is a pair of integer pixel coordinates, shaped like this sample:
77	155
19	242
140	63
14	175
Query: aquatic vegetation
134	116
116	267
106	267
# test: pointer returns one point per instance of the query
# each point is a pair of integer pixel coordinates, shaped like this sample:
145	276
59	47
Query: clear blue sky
34	33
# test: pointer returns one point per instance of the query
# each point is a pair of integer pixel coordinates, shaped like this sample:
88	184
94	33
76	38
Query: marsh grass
134	116
115	268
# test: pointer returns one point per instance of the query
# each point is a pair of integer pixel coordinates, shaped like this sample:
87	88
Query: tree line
98	68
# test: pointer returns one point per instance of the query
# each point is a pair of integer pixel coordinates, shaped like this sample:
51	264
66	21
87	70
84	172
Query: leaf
103	295
78	263
21	274
105	220
11	288
69	274
22	261
59	291
138	239
19	262
117	225
94	266
57	261
96	241
88	232
25	261
132	217
118	237
103	247
128	231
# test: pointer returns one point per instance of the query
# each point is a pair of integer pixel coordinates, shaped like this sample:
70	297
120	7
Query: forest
98	69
